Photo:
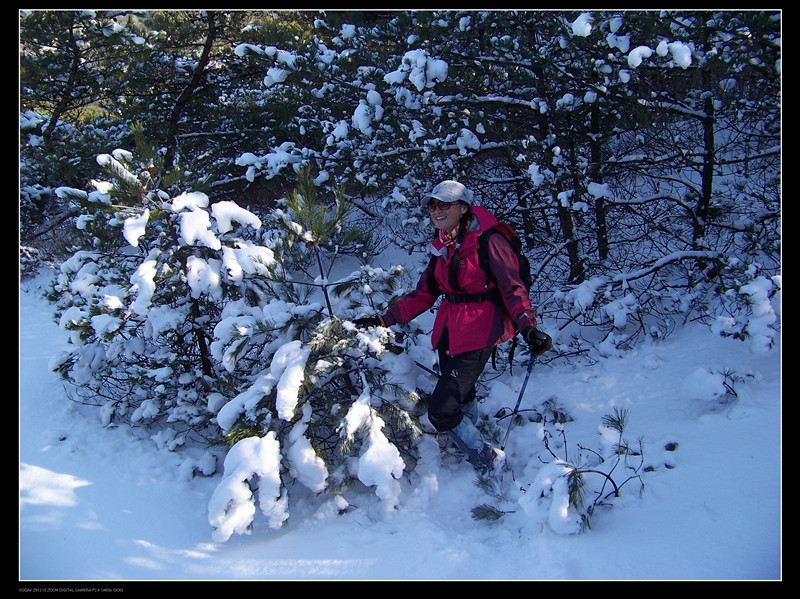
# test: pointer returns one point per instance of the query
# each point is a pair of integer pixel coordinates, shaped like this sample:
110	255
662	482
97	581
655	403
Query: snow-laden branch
661	262
482	99
676	108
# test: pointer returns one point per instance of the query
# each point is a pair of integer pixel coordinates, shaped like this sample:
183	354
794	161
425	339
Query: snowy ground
102	505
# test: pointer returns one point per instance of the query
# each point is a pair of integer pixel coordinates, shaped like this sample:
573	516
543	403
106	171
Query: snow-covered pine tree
327	401
141	297
203	324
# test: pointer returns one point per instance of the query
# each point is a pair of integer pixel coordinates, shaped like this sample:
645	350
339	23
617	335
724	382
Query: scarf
448	239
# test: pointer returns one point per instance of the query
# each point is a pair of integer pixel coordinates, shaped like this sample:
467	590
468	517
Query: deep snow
105	505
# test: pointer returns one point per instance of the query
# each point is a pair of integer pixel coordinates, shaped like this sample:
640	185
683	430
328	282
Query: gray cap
450	191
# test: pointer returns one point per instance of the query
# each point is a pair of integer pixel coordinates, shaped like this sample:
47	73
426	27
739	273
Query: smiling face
445	216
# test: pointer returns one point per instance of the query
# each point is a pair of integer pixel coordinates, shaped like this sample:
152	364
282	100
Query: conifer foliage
200	322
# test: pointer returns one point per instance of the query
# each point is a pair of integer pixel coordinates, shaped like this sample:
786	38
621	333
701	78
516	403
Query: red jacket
471	325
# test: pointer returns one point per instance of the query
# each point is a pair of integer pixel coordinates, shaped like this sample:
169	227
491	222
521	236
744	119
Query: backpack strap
483	251
433	285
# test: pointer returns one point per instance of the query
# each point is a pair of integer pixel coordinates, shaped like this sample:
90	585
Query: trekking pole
531	362
426	369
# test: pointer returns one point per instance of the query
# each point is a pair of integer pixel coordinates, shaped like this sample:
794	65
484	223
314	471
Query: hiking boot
487	460
490	460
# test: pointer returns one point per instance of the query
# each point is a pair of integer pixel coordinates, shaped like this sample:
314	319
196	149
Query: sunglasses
433	205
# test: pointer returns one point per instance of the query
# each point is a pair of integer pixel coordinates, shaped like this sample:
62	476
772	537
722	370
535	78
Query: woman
470	321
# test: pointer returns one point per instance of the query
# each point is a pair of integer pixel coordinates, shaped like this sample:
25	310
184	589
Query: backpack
516	244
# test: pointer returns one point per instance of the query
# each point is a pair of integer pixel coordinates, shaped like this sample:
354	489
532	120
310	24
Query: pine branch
488	512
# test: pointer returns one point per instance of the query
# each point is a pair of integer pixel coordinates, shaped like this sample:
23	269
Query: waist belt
462	298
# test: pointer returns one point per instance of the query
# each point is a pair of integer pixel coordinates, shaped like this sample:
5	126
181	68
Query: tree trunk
188	92
61	107
600	207
707	183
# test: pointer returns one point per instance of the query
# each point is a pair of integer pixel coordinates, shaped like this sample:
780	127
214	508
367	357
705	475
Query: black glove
369	321
538	341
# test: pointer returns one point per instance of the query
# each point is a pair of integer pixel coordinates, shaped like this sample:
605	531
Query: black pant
456	385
